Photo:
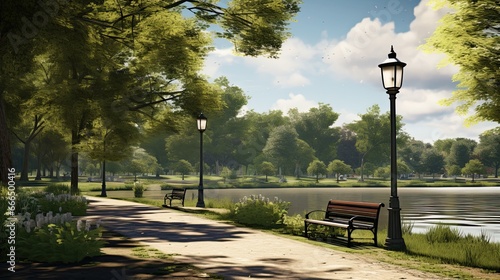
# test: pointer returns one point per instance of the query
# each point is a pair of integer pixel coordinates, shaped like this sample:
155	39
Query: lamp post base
394	239
201	200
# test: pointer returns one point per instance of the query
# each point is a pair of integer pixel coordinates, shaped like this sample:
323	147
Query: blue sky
332	57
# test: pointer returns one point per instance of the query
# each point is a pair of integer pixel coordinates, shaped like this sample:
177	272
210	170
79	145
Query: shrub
293	224
57	189
66	242
138	189
259	211
76	205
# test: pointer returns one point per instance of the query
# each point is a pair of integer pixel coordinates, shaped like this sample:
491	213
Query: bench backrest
178	193
365	211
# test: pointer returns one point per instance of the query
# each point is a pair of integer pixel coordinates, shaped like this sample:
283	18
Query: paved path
234	252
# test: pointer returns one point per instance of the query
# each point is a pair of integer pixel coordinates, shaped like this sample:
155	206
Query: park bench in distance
177	193
350	215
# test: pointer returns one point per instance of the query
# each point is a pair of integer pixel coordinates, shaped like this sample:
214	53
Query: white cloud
295	63
216	59
367	43
295	101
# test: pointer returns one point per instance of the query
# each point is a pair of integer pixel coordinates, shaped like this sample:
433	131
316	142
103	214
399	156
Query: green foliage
281	146
59	243
338	167
316	167
383	172
442	234
57	189
184	167
315	127
138	189
259	211
293	225
468	35
474	166
62	203
453	170
267	168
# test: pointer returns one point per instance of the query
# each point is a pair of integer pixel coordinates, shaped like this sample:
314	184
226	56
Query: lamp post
392	79
201	121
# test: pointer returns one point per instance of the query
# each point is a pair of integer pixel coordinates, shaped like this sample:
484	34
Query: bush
293	225
259	211
138	189
66	242
76	205
57	189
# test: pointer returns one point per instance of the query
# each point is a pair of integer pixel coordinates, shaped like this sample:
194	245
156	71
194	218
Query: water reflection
469	209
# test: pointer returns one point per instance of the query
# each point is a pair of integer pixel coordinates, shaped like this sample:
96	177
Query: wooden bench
350	215
177	193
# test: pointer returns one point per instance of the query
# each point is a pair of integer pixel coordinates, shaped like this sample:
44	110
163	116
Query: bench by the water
177	193
350	215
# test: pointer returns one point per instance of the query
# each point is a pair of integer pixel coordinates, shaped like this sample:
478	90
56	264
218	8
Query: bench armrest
307	215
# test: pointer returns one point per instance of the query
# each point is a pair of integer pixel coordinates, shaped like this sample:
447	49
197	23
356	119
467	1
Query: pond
470	209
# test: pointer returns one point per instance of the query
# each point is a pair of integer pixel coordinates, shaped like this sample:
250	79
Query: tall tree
372	136
281	147
460	152
432	161
346	148
488	149
470	35
316	128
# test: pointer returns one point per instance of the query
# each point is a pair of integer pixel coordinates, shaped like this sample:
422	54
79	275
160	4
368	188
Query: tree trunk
103	187
5	154
75	139
26	156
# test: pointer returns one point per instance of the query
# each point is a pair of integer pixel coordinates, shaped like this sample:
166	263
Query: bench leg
305	230
349	232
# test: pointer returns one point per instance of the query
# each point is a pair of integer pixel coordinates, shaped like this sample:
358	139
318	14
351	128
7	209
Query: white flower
79	225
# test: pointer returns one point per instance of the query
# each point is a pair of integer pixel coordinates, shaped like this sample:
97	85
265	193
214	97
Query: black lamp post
392	79
201	121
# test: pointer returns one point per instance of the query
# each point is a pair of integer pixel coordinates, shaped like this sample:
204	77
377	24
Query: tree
474	166
303	154
488	149
141	162
184	167
453	170
267	168
281	147
132	57
339	167
372	136
460	152
346	147
412	153
316	167
383	172
316	129
30	131
432	161
226	173
469	36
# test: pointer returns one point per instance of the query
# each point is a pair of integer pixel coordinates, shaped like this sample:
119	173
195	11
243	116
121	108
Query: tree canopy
469	35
